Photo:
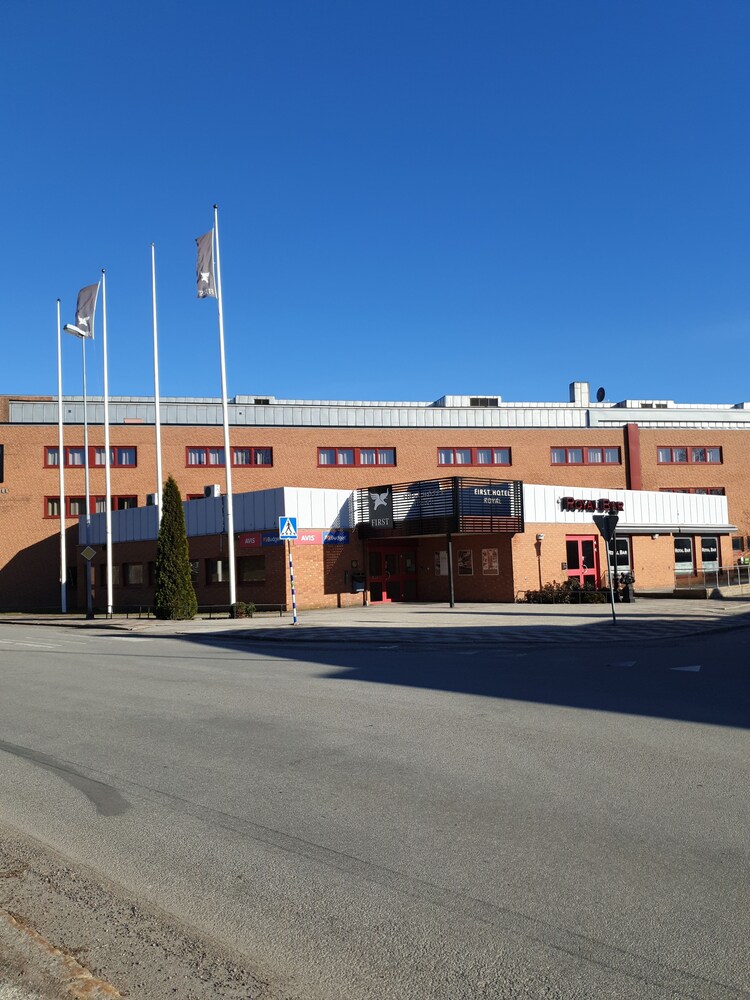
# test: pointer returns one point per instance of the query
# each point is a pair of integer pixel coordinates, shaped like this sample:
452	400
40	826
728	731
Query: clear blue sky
416	198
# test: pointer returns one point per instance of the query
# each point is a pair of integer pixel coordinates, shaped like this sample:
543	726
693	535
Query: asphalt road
397	821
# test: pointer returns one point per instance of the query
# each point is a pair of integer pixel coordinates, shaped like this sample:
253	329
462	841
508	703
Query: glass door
581	558
709	554
393	575
684	564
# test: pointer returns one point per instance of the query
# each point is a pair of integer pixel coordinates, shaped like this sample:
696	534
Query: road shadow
624	675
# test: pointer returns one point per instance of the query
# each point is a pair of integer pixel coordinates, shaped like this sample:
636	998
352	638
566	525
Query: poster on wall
441	564
465	562
490	564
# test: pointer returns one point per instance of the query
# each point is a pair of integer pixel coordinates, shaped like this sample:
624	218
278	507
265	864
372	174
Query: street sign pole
291	578
288	531
607	525
611	582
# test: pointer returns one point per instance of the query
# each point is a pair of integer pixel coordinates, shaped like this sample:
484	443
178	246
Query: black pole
611	575
451	591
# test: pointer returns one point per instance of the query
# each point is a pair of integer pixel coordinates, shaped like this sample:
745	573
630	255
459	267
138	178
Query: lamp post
83	337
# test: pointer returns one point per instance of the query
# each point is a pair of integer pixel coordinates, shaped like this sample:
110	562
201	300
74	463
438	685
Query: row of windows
242	457
713	491
689	456
76	457
76	506
585	456
250	569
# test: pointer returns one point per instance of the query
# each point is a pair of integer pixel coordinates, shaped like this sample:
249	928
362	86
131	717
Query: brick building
589	450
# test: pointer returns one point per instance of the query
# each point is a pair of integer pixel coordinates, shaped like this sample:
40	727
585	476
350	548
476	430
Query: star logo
205	276
84	321
379	500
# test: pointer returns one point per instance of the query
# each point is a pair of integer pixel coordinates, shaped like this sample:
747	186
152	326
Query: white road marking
129	638
20	642
691	670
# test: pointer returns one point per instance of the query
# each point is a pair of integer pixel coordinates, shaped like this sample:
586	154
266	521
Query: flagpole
157	418
225	409
89	604
107	476
61	470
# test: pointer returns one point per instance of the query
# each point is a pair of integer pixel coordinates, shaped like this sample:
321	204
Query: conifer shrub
174	595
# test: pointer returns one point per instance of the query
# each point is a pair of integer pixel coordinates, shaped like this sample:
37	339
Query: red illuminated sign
600	506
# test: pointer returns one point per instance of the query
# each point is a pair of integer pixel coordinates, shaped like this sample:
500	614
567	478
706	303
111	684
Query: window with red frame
343	457
208	456
242	457
585	456
76	506
713	491
125	456
689	455
474	456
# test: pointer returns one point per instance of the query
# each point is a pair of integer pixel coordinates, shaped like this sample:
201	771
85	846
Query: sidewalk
646	619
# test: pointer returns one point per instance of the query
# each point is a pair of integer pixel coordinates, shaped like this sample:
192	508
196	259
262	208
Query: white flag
85	309
205	269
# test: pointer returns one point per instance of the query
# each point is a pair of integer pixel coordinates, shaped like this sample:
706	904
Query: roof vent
484	401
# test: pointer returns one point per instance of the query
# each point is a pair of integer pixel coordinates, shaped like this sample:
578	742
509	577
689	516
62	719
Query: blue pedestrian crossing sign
288	528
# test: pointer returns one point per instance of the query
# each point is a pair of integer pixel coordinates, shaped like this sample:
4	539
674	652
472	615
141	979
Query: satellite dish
600	394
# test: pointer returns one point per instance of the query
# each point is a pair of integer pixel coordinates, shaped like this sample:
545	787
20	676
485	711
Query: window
356	456
738	543
205	456
689	456
251	569
76	506
474	456
252	456
585	456
75	457
132	574
99	504
116	575
117	456
217	570
194	567
620	564
683	556
712	491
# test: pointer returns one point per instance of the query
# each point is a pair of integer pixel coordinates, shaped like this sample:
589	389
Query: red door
393	575
582	559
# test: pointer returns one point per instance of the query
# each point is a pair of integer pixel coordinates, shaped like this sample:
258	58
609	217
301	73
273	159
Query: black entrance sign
380	502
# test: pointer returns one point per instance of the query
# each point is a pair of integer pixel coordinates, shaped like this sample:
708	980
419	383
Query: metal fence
724	576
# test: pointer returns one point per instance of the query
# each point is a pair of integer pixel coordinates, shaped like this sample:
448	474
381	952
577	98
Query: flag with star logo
205	268
85	309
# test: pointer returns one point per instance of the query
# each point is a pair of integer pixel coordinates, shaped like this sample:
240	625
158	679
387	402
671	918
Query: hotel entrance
392	574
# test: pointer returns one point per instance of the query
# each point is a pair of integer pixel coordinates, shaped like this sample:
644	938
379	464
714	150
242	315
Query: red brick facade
29	539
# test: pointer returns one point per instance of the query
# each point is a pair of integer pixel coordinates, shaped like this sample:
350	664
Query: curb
67	972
